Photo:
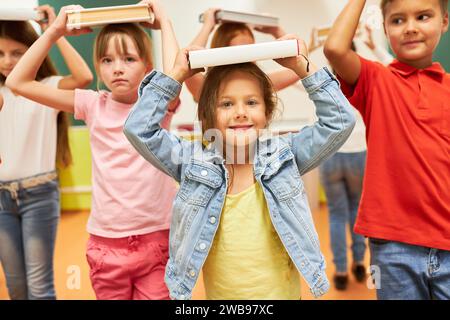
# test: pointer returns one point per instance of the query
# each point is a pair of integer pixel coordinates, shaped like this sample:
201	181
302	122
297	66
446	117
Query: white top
357	140
28	135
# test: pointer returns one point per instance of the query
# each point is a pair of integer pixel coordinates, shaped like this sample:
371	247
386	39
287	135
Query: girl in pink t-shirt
131	201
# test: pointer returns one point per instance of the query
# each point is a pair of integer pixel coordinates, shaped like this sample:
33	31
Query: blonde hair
227	31
23	32
136	33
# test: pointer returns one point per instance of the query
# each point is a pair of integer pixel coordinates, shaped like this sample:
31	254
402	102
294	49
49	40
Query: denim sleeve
336	119
143	125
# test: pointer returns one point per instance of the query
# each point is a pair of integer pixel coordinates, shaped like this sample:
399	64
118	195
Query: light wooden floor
70	251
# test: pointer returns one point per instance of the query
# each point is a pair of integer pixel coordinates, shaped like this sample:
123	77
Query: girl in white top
33	138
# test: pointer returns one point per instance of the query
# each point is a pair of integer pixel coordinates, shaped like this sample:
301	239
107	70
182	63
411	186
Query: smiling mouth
241	127
119	81
409	43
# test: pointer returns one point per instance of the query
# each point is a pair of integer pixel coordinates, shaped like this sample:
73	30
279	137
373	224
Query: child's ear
445	25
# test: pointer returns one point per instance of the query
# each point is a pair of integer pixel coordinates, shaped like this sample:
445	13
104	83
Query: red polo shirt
406	193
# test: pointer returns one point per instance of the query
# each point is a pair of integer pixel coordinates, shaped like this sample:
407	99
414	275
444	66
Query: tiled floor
70	259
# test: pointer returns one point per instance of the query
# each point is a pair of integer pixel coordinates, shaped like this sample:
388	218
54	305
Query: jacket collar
406	70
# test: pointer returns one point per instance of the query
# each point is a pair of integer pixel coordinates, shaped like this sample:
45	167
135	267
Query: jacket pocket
283	178
199	184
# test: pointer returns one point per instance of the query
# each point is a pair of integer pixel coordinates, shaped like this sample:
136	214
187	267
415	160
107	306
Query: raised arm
338	47
336	118
22	79
195	83
209	23
143	128
80	74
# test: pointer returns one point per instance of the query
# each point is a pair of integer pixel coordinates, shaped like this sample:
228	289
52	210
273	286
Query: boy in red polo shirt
405	205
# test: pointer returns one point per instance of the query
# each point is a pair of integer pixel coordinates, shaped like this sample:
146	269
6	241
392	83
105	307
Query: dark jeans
28	224
342	178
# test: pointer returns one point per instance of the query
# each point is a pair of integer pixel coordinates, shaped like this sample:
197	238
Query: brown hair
226	32
139	37
23	32
210	91
443	3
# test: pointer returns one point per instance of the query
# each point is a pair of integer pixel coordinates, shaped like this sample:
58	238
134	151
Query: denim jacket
279	163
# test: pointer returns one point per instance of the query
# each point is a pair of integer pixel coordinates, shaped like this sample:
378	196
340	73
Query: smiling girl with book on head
132	201
244	221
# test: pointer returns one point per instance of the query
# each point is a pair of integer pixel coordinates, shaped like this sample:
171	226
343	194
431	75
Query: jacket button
212	220
202	246
192	273
182	297
204	173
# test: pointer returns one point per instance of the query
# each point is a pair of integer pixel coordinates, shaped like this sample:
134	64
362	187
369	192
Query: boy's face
414	29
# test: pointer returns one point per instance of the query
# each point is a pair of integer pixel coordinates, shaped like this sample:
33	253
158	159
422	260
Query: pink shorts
130	268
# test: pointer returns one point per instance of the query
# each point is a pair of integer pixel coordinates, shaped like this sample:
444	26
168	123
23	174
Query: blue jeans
407	272
342	178
28	223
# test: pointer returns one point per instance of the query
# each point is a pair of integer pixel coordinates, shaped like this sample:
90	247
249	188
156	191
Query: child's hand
369	41
158	10
300	64
59	27
50	16
181	69
209	17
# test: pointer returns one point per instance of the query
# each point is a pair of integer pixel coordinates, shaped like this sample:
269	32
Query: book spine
241	54
19	14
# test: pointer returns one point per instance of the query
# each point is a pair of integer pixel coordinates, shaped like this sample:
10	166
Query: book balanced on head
253	19
108	15
244	53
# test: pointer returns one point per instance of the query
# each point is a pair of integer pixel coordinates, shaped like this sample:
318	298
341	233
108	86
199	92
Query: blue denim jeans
28	224
342	178
407	272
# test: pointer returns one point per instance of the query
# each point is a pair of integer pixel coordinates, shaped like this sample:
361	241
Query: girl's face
242	38
10	53
241	111
122	70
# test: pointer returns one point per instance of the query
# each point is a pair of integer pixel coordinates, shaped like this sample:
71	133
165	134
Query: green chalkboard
443	51
84	44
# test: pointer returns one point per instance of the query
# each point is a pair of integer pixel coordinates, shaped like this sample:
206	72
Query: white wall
297	17
18	4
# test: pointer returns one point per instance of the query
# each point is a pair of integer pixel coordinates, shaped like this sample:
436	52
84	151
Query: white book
20	14
245	53
252	19
108	15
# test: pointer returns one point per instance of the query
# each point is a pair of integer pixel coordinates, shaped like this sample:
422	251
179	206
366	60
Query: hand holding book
156	9
59	27
181	69
299	64
49	14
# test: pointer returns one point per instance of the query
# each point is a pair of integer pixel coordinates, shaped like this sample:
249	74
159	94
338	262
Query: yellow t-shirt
247	259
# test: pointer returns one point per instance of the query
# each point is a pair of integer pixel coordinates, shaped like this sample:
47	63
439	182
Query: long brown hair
23	32
227	31
137	34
